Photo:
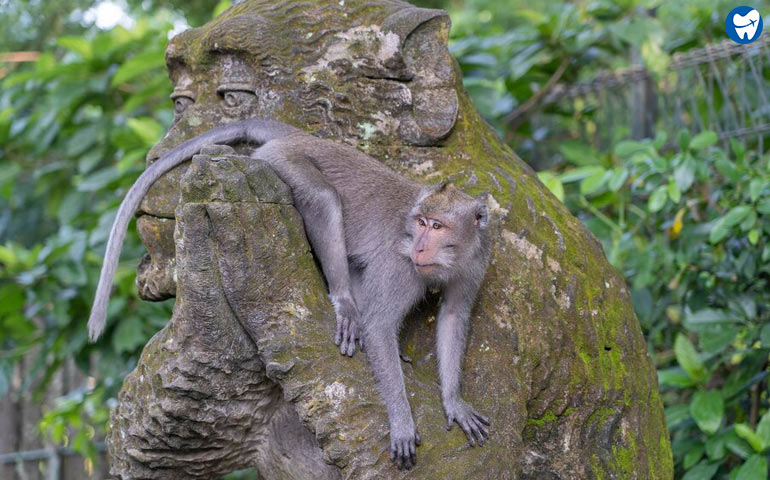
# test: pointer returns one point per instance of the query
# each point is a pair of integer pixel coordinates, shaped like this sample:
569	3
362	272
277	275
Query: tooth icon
746	25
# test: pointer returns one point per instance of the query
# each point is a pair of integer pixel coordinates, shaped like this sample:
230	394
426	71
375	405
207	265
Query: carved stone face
387	85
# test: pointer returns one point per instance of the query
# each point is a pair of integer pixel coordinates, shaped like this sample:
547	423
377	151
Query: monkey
382	241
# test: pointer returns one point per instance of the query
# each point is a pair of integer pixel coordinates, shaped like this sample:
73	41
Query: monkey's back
375	199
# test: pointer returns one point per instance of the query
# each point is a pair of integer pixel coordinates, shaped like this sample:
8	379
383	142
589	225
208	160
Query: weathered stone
246	372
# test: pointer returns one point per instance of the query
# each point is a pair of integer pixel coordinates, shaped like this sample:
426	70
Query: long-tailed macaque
381	240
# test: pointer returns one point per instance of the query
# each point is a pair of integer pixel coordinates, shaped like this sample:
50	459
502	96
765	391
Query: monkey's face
446	227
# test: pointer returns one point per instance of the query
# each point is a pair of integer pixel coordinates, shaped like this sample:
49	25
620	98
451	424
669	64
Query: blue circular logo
743	25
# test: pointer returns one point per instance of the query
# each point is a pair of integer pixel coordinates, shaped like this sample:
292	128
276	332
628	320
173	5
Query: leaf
749	222
128	336
673	191
684	175
79	45
745	432
764	206
221	7
617	179
148	129
708	316
755	188
658	199
12	298
675	377
594	182
578	153
688	357
728	169
99	179
677	414
692	457
755	468
626	148
579	173
763	430
138	65
707	408
704	140
764	336
723	226
715	338
553	183
702	471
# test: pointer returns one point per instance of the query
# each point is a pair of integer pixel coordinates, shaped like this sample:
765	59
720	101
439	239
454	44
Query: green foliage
689	226
74	129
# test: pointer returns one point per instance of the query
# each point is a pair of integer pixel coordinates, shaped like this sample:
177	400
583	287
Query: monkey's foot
472	422
347	325
403	446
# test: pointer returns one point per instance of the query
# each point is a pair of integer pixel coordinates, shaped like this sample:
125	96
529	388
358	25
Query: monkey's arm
451	333
248	131
391	292
321	209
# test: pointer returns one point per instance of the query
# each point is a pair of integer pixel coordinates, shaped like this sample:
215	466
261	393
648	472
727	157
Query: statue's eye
236	95
181	102
236	99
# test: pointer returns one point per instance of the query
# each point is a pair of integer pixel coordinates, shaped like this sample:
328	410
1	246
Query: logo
743	25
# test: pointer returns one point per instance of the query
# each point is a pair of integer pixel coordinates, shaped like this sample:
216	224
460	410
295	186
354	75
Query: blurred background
640	115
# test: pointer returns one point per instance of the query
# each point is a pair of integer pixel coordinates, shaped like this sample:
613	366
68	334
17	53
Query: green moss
625	458
538	422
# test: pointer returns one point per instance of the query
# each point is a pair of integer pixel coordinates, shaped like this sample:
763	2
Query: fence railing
723	87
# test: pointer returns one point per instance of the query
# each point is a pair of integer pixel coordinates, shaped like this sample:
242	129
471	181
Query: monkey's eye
437	226
421	222
181	102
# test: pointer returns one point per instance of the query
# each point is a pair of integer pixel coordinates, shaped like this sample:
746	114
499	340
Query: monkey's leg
321	209
451	333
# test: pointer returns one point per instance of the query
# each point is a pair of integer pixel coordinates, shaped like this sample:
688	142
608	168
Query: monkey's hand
404	439
347	325
472	422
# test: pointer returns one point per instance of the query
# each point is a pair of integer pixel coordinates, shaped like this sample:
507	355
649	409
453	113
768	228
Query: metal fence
722	87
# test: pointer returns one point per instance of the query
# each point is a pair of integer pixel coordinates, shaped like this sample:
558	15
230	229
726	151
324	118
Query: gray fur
363	222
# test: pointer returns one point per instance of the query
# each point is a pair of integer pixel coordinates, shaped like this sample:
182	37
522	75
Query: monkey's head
448	232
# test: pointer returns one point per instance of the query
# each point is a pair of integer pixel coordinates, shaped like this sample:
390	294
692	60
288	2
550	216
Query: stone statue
246	373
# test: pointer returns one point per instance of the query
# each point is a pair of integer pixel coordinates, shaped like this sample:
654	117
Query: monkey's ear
482	216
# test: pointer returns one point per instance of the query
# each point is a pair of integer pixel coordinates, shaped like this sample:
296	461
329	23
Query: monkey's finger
407	456
351	347
449	423
392	451
338	335
417	438
477	433
467	429
482	429
483	419
400	455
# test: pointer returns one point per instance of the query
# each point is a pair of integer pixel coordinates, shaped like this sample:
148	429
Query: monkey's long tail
250	131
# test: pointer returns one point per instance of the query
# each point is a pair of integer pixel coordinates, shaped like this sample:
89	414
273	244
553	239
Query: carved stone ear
482	216
424	35
406	20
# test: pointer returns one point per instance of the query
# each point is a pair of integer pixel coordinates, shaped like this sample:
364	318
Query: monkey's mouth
424	267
